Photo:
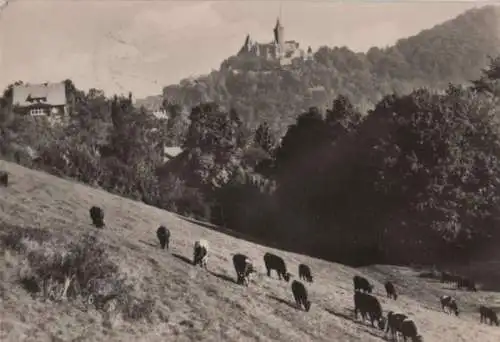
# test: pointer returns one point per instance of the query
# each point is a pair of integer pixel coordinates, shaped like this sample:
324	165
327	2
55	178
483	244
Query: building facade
279	49
47	99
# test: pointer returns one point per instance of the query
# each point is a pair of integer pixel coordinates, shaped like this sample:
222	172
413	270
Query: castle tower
247	46
279	33
279	37
309	54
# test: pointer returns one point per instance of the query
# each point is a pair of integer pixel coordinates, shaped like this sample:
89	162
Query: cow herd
368	306
399	323
365	303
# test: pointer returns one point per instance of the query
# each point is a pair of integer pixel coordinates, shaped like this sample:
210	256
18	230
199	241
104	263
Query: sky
144	45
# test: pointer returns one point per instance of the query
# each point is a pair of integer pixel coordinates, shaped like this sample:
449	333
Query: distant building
47	99
160	113
171	152
279	49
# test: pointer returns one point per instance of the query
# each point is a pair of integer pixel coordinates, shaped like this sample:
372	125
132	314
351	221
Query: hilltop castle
279	49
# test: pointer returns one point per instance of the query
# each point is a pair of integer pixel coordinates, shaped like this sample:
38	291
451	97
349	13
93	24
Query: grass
170	300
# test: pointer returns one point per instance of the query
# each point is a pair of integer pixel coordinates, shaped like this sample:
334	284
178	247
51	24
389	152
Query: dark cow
300	295
488	314
200	253
97	216
244	268
408	329
369	306
466	283
449	303
361	283
4	178
394	321
391	290
274	262
163	235
305	273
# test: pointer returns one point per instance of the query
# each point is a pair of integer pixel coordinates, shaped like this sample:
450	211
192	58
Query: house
171	152
45	99
160	113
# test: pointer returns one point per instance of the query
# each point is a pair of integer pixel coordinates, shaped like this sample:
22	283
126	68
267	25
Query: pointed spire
278	24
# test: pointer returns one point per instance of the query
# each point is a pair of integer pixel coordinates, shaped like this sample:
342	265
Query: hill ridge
262	90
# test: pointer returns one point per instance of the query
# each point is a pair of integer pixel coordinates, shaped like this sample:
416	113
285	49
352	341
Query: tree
343	118
441	164
264	138
489	82
177	125
245	204
213	130
133	152
302	140
213	142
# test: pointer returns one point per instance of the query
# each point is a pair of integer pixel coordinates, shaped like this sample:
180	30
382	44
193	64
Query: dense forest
414	179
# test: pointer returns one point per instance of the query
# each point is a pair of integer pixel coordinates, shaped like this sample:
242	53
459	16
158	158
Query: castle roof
278	24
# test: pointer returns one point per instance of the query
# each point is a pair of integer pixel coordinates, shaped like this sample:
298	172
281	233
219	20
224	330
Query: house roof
172	152
48	93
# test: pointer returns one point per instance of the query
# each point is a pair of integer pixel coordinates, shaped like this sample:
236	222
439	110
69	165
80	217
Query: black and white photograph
249	170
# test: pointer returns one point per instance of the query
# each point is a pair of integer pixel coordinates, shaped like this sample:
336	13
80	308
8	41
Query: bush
81	270
73	270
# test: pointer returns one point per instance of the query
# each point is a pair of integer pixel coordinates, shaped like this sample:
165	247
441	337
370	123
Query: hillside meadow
188	303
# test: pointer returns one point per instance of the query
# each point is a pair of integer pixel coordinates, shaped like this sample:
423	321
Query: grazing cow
274	262
97	216
369	305
200	253
305	273
163	235
391	290
393	324
300	295
408	329
466	283
487	313
361	283
244	268
450	303
4	178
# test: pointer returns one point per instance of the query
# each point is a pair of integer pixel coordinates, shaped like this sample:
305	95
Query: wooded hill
453	51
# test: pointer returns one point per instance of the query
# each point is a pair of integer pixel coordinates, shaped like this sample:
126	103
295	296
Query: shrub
81	270
71	271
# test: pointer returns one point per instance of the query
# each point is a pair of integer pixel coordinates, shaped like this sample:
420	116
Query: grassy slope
218	309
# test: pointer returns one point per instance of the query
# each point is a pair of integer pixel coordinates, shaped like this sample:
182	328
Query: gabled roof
172	152
25	95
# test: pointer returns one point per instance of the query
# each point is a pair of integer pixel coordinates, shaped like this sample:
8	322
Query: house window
37	111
